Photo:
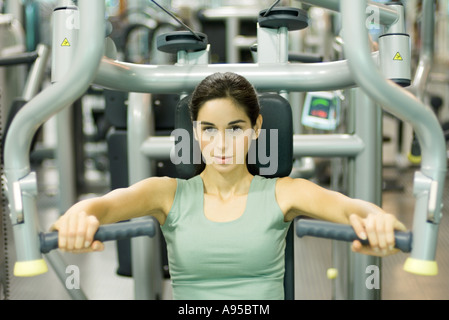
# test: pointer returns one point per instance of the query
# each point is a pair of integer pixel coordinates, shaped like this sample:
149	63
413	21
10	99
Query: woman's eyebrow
235	122
206	123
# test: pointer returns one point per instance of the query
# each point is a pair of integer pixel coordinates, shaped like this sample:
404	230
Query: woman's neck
235	182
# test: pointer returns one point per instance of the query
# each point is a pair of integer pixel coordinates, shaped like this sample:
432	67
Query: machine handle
115	231
22	58
335	231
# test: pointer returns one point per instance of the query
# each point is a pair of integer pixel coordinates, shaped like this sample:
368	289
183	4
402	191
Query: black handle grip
26	57
116	231
335	231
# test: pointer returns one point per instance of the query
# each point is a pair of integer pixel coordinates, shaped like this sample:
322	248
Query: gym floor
312	258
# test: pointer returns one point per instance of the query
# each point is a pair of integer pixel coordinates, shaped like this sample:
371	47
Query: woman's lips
223	160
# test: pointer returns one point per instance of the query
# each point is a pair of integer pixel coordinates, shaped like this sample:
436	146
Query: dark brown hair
226	85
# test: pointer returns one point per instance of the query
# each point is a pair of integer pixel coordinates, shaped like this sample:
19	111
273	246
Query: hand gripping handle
335	231
115	231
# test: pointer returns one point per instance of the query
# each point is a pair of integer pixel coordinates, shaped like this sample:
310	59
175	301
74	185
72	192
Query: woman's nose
222	140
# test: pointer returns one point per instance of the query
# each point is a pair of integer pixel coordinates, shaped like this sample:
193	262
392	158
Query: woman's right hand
76	230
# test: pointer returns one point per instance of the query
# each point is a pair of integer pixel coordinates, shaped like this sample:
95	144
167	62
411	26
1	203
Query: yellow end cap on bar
421	267
30	268
414	159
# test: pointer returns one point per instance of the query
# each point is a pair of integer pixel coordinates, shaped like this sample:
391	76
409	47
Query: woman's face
224	133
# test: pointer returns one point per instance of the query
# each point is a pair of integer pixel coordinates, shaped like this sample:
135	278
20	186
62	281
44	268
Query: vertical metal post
365	182
366	186
36	73
65	159
232	31
145	252
65	38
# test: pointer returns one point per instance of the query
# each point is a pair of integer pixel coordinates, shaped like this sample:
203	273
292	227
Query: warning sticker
65	43
398	57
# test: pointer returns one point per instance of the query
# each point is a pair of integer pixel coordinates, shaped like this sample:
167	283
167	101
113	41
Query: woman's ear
258	127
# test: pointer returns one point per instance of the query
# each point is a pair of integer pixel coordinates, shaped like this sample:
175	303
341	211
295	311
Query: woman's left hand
378	229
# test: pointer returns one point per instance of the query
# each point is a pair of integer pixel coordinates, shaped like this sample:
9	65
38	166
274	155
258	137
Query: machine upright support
47	103
366	184
145	251
428	130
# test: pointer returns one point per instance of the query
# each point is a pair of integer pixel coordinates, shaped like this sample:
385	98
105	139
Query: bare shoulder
165	183
157	185
292	194
159	192
162	187
287	184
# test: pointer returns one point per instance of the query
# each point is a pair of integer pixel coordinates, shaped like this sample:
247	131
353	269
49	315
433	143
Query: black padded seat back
274	147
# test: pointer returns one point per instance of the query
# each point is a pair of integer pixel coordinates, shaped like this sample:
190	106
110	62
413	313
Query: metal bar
37	72
158	148
161	79
426	56
367	186
65	159
387	15
145	252
226	12
305	145
327	145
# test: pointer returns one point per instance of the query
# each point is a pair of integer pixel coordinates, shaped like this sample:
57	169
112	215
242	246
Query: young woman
225	228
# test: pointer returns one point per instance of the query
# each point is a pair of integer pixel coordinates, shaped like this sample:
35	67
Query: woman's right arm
152	196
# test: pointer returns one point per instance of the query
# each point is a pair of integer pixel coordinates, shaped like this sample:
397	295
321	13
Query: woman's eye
236	130
209	130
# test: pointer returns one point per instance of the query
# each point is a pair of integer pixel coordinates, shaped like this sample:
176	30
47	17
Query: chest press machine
272	72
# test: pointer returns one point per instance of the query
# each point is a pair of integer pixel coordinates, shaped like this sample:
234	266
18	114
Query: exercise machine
267	75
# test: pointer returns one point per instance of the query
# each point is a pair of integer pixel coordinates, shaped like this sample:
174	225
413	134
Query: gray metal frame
429	181
360	69
21	183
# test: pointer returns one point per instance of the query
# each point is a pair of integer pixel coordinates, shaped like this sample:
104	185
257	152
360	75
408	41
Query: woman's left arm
301	197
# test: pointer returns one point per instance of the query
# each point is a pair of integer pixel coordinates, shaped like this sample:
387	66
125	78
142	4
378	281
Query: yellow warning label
65	43
398	57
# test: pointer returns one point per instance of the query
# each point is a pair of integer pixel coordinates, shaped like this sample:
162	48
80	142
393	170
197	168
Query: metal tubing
327	145
41	108
145	252
408	108
158	148
65	158
267	77
366	184
307	145
387	15
426	56
37	72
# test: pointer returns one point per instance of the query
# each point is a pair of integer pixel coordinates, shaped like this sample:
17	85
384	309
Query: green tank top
242	259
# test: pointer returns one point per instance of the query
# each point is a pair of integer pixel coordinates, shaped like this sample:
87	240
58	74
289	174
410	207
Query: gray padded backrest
277	120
